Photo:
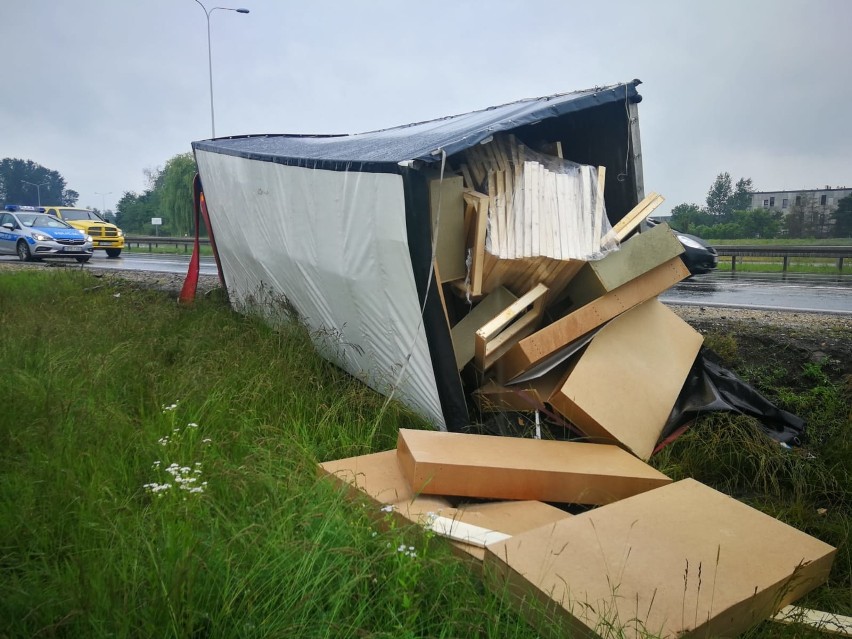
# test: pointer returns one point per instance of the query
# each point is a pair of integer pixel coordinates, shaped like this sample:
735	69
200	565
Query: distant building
825	200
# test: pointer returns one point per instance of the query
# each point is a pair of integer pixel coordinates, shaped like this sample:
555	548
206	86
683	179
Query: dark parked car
698	255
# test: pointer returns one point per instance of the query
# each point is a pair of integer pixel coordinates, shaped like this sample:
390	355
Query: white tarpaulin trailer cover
340	227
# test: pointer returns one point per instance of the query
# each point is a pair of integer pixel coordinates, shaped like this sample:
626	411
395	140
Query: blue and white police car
31	234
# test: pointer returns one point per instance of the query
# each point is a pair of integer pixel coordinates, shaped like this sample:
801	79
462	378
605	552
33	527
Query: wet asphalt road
767	291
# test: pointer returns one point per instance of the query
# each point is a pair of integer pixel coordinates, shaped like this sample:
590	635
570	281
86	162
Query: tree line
168	195
727	214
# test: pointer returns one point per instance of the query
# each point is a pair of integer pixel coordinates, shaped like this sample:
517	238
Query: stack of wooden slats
539	326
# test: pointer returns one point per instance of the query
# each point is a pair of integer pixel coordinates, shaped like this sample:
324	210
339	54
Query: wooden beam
477	246
463	333
822	621
538	346
629	222
521	318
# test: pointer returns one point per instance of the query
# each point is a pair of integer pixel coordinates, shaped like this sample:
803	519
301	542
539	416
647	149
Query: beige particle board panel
540	345
638	255
379	477
489	467
680	561
624	385
446	203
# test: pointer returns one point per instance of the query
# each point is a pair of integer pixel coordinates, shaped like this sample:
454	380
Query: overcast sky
100	90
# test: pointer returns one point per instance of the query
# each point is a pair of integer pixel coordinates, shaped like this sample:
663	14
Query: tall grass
106	388
113	392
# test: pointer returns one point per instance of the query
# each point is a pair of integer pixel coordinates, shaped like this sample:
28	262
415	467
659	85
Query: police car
31	234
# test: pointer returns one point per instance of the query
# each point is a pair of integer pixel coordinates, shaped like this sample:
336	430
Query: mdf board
680	561
488	467
623	387
464	332
638	255
379	477
543	343
446	203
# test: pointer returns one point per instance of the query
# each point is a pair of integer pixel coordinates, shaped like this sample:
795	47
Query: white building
825	200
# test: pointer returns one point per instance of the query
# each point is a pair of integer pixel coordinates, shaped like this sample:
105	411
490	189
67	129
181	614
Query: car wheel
24	252
83	260
113	252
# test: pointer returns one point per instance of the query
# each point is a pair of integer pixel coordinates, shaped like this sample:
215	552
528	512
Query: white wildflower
387	509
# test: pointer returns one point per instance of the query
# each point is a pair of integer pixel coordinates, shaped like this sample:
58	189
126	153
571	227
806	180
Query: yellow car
104	235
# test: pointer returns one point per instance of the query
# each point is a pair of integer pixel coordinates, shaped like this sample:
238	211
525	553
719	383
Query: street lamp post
210	56
38	188
103	201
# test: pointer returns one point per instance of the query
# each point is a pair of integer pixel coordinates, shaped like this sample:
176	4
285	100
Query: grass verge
115	392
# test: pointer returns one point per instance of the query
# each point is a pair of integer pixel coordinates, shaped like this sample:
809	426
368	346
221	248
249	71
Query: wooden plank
479	227
680	561
437	283
822	621
526	397
468	178
552	148
447	211
463	333
494	338
495	231
599	213
629	222
538	346
626	382
489	467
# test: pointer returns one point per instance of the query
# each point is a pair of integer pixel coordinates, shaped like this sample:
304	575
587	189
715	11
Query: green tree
26	182
134	212
719	196
740	200
842	217
758	223
176	193
723	199
687	216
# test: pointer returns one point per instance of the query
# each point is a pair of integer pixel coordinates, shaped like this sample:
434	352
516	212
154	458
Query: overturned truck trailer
350	229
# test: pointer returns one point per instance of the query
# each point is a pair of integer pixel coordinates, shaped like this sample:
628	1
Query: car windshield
39	220
71	214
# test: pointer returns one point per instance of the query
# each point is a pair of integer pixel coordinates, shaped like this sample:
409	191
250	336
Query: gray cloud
107	88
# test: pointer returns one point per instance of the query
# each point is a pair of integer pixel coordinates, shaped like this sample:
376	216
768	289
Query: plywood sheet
680	561
543	343
636	256
623	387
446	203
488	467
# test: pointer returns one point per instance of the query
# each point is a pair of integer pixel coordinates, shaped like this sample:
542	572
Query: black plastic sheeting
422	141
711	388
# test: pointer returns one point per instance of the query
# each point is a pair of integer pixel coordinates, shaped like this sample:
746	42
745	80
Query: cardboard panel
681	560
538	346
636	256
379	477
626	382
488	467
447	209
